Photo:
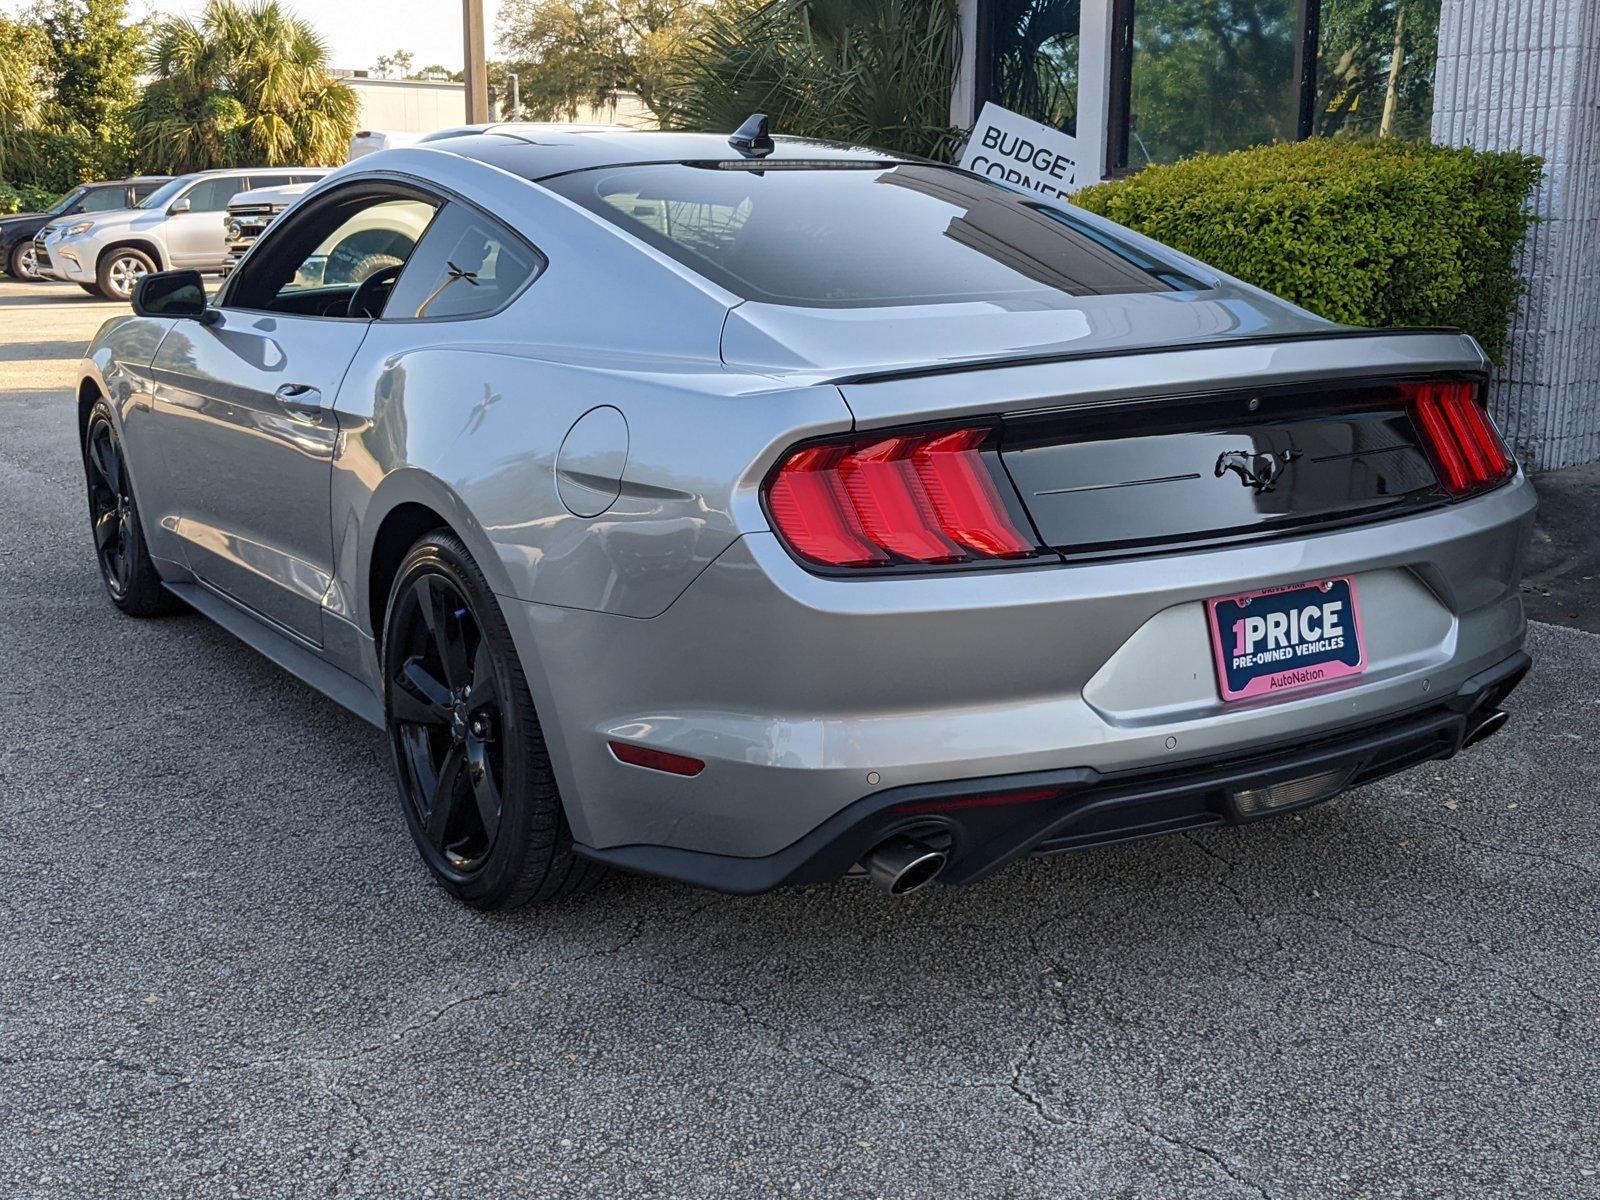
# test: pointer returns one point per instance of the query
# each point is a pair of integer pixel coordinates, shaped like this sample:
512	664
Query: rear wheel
475	780
120	272
23	263
125	567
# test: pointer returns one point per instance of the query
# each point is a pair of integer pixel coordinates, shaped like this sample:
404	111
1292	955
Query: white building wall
1525	75
408	105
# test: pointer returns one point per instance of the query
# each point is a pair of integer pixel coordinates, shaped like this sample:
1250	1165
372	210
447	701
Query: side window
212	195
101	199
142	190
264	181
466	266
339	259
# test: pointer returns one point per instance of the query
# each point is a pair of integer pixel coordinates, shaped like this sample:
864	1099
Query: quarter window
466	266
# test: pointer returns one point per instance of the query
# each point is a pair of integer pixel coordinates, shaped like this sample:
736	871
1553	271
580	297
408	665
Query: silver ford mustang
758	511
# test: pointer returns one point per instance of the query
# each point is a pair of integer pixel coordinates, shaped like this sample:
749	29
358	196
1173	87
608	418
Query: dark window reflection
863	237
1211	75
1034	59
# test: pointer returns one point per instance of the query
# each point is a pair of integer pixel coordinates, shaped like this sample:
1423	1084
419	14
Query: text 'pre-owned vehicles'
757	511
178	225
17	256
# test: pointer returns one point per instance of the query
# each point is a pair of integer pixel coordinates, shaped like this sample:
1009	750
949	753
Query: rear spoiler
990	362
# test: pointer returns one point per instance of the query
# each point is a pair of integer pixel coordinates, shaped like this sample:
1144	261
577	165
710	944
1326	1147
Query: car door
194	231
244	409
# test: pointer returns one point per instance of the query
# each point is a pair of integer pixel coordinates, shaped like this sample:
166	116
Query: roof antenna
752	139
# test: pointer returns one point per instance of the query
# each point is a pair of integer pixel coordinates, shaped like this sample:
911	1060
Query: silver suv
180	225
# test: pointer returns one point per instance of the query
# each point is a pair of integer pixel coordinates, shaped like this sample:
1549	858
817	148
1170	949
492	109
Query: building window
1218	75
1028	59
1375	64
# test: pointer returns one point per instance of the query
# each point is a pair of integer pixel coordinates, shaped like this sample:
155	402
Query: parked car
17	231
369	141
249	213
381	237
178	225
753	512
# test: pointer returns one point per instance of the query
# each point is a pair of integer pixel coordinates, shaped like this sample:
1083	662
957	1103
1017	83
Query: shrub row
1363	232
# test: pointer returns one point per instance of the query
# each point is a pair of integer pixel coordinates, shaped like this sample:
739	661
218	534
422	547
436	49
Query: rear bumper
802	695
1080	807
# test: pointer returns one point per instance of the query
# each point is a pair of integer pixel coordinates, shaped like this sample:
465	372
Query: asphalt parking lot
223	970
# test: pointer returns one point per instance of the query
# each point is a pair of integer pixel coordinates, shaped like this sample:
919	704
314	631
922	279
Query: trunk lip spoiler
1001	361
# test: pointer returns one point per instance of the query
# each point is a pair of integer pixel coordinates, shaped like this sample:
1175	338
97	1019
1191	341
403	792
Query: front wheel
125	567
120	272
475	780
24	263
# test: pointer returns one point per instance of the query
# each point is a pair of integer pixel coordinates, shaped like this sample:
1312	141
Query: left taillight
926	497
1468	455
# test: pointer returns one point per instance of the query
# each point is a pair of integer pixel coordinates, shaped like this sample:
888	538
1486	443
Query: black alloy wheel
476	785
444	703
130	577
110	507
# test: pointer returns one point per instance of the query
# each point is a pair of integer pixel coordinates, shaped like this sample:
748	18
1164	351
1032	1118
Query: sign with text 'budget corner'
1023	153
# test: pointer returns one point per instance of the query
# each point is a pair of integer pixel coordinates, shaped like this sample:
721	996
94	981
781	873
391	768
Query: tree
246	85
95	56
24	53
873	72
1376	61
568	53
394	66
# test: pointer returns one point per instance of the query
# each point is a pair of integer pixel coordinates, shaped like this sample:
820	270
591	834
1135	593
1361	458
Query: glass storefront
1214	75
1033	59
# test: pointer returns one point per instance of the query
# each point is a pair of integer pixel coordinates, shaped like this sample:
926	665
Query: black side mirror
173	294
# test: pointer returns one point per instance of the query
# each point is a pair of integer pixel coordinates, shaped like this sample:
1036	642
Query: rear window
867	236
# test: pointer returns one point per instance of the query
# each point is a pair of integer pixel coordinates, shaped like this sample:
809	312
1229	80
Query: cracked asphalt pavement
224	971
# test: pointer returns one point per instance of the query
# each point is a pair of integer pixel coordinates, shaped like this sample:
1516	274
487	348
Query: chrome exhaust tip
1486	728
901	865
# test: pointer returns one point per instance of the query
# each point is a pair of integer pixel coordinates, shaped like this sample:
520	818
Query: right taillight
930	498
1468	455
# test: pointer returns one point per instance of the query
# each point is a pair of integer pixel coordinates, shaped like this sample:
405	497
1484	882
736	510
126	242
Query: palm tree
875	72
245	85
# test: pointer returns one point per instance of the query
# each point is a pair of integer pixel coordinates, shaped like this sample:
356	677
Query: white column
963	95
1094	87
1525	75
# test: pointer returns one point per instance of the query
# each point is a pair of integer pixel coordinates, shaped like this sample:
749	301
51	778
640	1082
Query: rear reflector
891	499
656	760
1468	455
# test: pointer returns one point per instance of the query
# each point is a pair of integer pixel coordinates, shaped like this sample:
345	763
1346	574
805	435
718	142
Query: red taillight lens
656	760
1467	453
899	498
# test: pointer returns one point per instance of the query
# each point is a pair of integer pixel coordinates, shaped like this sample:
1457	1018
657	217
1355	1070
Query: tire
120	270
129	576
495	833
94	290
20	263
357	270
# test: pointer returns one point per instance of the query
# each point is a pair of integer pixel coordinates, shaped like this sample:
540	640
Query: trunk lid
1127	453
862	341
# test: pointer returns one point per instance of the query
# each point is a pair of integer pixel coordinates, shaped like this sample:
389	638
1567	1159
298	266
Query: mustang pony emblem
1258	470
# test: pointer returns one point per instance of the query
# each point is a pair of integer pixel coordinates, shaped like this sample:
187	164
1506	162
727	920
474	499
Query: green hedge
15	198
1363	232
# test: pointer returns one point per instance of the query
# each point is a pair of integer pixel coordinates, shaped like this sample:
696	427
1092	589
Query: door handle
301	401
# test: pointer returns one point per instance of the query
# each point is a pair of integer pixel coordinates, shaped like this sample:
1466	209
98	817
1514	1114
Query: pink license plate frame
1292	676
